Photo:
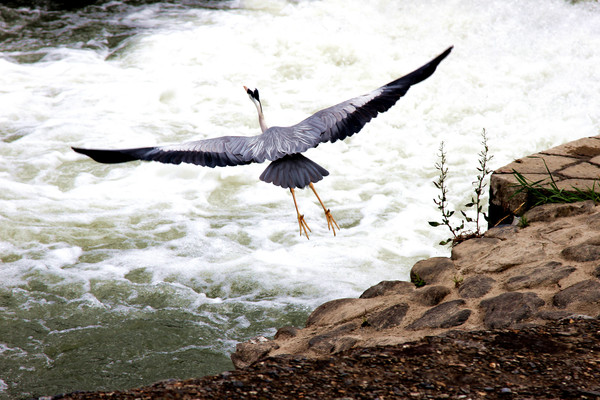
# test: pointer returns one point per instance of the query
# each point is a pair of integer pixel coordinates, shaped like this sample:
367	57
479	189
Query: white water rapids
120	275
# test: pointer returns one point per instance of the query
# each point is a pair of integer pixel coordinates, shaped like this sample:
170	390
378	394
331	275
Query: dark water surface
27	34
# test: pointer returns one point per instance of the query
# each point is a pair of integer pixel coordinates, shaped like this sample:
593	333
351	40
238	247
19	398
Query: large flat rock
574	165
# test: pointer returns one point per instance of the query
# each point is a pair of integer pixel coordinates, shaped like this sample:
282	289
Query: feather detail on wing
215	152
349	117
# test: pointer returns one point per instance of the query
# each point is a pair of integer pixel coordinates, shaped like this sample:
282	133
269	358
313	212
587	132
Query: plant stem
484	171
441	184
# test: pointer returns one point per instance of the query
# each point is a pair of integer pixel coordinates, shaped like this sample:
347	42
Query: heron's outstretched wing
215	152
328	125
349	117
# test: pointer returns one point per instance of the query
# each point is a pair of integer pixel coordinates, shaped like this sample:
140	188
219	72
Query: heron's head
254	97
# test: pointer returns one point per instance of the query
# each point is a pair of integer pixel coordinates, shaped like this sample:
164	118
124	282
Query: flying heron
281	145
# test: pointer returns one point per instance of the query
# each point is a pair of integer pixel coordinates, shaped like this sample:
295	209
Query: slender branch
484	159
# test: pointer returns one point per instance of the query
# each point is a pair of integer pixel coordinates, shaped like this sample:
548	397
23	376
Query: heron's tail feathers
293	171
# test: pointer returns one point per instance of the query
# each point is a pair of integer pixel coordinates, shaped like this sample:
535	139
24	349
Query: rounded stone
432	270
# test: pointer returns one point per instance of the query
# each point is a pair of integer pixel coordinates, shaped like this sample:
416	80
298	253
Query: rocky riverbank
559	360
509	278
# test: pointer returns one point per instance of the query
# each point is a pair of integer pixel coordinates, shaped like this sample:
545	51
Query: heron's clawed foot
303	225
331	221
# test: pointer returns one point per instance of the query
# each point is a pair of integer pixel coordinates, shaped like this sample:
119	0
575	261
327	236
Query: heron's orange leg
301	221
330	221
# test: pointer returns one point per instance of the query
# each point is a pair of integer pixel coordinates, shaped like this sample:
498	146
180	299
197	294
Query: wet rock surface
384	288
445	315
248	352
546	273
585	292
476	286
509	308
431	295
550	212
388	318
559	360
586	251
432	270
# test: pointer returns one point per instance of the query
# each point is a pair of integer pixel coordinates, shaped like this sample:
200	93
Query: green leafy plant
484	171
457	231
458	280
523	222
546	190
442	201
417	281
365	323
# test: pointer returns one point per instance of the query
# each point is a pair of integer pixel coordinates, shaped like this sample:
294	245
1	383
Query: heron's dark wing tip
107	156
347	118
445	53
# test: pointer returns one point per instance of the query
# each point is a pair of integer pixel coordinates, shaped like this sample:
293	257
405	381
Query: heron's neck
261	118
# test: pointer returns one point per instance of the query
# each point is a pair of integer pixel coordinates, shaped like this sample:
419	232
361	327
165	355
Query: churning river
114	276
